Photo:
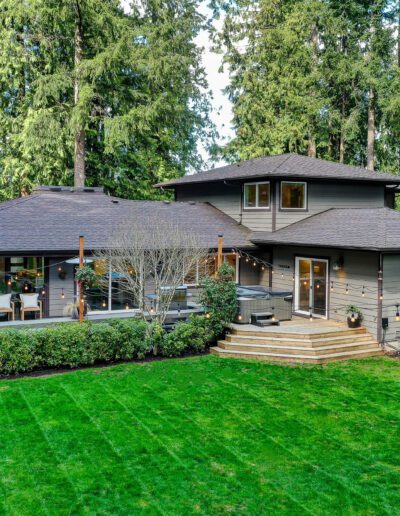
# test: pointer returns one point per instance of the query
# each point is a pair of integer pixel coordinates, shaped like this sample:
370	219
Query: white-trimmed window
256	196
293	195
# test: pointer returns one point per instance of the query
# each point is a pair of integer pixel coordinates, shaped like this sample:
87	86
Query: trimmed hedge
187	337
73	345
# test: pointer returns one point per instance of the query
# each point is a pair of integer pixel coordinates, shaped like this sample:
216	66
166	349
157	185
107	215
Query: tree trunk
341	142
312	148
371	131
80	137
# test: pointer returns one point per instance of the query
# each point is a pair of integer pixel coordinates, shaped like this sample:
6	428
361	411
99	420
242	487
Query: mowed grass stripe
217	460
159	462
205	435
347	478
42	483
103	479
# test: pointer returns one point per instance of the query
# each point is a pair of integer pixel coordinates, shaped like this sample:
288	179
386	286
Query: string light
363	291
9	282
43	292
104	303
62	294
311	314
254	264
331	286
347	288
397	313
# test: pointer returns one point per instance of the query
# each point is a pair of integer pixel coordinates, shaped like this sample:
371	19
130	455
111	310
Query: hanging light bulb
381	296
9	282
59	268
363	291
25	287
311	316
272	270
304	282
353	318
397	313
331	286
62	294
43	292
347	288
247	259
282	275
263	268
103	304
293	278
254	264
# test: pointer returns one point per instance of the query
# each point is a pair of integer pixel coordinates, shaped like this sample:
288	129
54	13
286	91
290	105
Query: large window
293	195
208	267
256	196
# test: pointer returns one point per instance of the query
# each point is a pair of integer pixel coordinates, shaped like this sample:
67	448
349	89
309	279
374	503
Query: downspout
380	291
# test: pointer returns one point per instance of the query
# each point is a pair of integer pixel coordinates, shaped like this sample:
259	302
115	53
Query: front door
311	289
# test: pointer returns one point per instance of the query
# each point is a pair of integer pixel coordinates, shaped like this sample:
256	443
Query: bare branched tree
151	263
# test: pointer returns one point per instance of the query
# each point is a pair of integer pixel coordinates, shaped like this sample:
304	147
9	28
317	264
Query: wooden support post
220	246
81	252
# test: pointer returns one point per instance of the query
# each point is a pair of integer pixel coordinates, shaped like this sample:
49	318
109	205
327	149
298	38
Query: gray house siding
359	269
391	294
57	285
321	196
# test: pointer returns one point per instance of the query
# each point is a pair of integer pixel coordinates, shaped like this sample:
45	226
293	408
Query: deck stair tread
298	342
298	358
266	338
300	348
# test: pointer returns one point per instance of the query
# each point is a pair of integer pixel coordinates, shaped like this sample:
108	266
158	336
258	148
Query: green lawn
203	435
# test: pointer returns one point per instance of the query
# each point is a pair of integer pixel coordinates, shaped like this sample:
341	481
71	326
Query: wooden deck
298	341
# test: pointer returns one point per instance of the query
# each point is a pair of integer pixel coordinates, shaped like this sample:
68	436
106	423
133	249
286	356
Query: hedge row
73	344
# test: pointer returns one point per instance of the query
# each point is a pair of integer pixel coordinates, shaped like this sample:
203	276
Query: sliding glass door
311	292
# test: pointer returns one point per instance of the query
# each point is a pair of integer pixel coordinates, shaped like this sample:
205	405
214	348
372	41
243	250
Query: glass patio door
311	294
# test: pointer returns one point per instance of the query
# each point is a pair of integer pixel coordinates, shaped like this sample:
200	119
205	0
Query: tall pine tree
91	94
319	77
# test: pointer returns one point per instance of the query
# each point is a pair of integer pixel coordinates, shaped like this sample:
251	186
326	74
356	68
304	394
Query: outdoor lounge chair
30	303
7	306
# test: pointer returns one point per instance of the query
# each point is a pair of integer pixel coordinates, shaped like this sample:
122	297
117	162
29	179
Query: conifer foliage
89	90
318	77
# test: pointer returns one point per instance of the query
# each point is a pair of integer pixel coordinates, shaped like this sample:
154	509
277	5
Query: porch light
397	313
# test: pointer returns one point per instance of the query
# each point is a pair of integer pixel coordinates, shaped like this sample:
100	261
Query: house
325	231
328	230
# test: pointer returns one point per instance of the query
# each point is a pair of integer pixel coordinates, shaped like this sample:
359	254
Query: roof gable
52	221
285	165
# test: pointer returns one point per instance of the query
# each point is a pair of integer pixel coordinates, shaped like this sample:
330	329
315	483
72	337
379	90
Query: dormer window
293	195
256	196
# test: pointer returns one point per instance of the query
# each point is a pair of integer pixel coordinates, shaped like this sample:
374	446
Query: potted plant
86	277
354	316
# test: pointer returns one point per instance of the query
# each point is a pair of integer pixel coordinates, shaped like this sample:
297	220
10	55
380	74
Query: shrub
73	345
187	337
219	298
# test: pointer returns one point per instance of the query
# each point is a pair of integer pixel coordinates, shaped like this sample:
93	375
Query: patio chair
30	303
7	306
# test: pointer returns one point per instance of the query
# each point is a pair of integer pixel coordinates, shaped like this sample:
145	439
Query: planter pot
356	323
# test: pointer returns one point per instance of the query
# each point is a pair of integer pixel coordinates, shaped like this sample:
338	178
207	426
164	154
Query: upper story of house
267	194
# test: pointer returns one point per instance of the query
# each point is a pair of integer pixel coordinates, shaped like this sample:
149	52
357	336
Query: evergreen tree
92	94
319	77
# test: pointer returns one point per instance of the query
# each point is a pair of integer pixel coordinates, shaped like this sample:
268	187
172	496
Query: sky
221	107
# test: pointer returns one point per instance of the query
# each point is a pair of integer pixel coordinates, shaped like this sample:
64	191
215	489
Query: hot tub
255	299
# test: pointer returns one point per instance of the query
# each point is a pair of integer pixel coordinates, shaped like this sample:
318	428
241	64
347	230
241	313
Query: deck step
294	341
290	335
298	358
298	349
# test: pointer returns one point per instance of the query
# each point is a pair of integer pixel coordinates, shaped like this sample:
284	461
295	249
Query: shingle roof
52	222
352	228
285	165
